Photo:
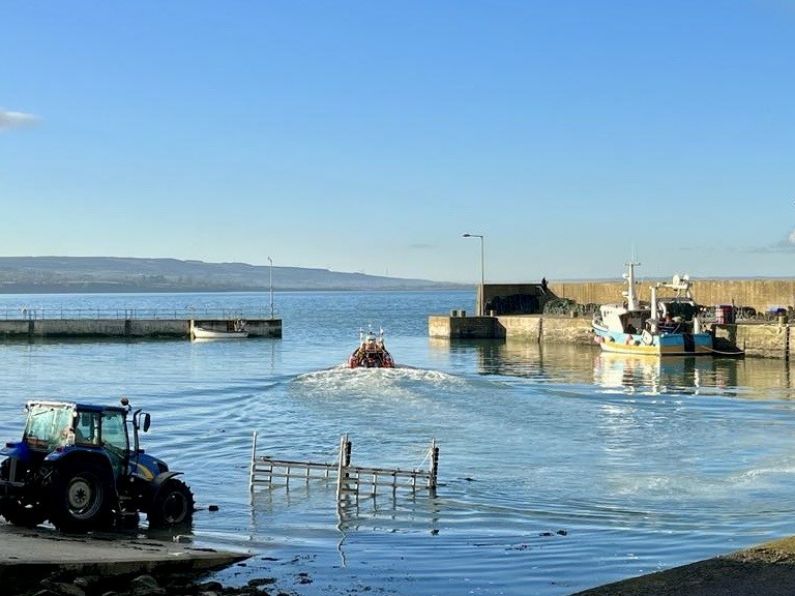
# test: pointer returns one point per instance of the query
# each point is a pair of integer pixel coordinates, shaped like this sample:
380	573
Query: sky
369	136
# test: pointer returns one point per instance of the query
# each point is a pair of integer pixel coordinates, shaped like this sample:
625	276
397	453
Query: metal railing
43	313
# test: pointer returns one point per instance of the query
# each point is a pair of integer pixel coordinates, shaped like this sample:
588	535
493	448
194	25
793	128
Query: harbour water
560	468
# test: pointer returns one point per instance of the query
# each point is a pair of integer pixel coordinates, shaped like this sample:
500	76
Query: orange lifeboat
372	352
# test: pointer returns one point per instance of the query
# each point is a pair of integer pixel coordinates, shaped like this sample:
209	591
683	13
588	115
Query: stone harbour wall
761	294
526	327
566	330
533	328
767	341
463	327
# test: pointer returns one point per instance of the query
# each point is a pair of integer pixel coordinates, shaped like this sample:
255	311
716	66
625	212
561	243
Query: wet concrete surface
27	555
767	569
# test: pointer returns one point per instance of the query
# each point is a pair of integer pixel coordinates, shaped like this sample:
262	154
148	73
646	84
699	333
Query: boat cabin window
633	321
684	310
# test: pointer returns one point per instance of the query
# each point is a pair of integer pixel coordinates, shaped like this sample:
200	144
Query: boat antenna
632	303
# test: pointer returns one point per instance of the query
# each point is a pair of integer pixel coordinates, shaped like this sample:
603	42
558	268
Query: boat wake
371	382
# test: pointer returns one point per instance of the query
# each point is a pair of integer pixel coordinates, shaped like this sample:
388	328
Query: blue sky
368	136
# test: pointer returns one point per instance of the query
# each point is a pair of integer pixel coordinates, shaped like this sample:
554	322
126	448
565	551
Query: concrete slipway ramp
29	555
767	569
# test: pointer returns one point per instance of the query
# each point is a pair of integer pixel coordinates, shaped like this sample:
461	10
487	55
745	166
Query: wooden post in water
434	470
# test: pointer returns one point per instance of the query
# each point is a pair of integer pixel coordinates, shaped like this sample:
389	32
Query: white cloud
9	119
787	245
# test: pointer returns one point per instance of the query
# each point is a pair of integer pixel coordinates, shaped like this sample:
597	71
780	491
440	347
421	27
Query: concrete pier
29	555
534	328
125	327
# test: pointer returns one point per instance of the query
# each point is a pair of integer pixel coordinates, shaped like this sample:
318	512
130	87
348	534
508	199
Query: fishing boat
372	352
235	330
664	326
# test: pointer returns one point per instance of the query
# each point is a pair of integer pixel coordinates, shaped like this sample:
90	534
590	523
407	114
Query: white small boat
235	330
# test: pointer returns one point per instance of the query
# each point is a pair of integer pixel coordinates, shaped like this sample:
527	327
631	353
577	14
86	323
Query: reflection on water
750	378
560	468
677	374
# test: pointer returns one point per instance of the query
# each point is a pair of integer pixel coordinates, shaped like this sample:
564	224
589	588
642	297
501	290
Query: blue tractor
81	467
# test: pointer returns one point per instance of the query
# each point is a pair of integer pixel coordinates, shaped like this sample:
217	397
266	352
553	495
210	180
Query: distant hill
110	274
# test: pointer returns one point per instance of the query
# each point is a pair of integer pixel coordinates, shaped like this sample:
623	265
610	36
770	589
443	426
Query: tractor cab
54	429
79	464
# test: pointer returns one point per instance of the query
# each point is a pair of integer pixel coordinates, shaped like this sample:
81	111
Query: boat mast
654	313
632	303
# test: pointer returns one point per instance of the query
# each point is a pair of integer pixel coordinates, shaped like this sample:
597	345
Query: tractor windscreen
48	426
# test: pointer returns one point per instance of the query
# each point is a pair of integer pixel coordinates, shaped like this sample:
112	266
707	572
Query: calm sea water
561	468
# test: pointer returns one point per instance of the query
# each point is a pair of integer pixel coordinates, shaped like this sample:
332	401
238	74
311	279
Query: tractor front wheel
81	498
19	510
172	506
19	513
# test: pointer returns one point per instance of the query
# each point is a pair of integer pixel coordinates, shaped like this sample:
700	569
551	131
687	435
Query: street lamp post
270	282
482	272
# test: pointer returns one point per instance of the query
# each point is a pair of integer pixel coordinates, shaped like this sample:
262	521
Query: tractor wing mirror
147	422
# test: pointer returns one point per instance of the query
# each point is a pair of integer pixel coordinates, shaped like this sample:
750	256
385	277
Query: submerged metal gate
350	479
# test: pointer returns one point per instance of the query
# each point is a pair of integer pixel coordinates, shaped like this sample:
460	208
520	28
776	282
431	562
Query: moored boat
234	330
665	326
372	352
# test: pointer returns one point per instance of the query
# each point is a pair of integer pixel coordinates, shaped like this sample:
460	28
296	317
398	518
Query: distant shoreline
114	275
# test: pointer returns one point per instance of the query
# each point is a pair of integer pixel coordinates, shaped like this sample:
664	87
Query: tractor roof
78	406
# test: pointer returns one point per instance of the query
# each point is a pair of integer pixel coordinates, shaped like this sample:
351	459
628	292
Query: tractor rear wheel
172	507
81	498
20	510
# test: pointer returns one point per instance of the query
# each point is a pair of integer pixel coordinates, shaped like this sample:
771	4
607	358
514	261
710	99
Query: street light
482	272
270	282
